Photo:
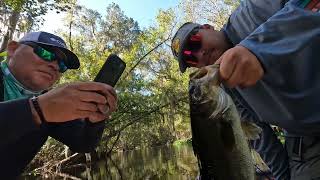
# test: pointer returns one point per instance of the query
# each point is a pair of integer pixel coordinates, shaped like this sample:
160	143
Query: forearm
16	120
79	135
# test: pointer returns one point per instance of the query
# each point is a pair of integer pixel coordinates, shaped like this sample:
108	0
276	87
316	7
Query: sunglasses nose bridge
58	65
54	65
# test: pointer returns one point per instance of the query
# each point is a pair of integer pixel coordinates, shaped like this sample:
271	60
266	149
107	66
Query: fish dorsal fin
227	135
251	130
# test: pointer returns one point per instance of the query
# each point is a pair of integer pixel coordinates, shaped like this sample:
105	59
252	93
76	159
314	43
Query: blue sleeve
268	145
79	135
15	121
249	15
284	35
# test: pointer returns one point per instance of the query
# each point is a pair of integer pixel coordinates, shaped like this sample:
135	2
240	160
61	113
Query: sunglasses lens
195	42
62	66
44	54
190	59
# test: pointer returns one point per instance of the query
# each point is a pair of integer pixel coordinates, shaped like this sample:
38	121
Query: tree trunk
70	35
13	21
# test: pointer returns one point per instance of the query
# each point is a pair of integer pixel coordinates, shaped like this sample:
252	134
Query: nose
54	65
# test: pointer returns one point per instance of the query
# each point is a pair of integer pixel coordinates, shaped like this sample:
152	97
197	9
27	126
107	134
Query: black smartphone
111	70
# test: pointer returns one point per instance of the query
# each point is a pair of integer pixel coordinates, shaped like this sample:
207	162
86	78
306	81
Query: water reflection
167	162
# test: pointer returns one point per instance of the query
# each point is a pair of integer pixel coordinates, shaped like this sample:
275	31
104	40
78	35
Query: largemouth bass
218	138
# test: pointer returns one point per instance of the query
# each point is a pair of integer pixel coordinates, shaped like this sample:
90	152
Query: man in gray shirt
269	61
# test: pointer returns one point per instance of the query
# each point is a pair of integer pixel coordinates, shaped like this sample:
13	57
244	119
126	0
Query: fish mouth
206	75
205	88
203	81
218	104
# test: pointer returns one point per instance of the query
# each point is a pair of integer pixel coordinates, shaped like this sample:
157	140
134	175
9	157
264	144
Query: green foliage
118	32
15	5
31	10
215	12
25	15
182	142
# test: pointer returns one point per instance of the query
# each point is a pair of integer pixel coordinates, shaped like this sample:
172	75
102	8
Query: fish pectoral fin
227	135
258	161
251	130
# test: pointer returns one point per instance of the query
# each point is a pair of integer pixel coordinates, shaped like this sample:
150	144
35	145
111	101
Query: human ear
11	48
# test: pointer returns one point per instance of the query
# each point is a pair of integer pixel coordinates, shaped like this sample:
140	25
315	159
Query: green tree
118	31
22	15
215	12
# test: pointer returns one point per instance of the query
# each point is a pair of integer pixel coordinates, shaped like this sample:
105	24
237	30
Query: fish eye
196	93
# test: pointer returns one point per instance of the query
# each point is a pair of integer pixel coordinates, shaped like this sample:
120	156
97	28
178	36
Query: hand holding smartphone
110	73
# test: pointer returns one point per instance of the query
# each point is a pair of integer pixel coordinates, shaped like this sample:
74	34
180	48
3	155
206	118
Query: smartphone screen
111	70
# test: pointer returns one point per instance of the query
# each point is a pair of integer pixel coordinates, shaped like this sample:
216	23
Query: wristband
36	106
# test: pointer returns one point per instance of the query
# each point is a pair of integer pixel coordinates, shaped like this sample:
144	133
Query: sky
142	11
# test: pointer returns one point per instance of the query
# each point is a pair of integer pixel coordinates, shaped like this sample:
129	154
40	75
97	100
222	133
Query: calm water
167	162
